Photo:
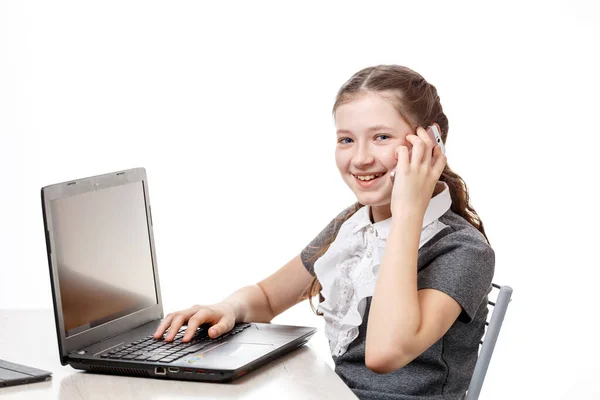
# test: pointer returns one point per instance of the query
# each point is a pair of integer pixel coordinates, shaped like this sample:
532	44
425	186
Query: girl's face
368	131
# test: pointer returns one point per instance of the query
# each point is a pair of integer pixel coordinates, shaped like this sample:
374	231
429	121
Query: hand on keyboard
151	349
219	317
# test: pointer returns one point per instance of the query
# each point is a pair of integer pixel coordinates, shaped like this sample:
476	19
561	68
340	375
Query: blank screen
102	249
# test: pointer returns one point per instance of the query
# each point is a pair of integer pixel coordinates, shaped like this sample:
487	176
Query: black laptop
106	293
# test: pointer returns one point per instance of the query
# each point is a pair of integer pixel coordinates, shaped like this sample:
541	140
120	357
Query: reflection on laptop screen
102	249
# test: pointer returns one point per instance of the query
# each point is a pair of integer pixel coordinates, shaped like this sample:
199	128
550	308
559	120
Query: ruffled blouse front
348	270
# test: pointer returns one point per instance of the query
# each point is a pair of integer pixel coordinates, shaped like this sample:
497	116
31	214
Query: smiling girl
403	274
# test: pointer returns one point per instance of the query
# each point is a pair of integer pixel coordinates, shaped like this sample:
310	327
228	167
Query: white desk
29	337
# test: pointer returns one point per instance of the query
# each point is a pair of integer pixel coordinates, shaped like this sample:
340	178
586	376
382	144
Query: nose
362	157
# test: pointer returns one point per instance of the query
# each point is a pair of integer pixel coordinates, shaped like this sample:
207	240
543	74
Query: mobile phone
436	136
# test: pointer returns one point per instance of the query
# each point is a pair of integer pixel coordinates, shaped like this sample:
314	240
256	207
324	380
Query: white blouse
349	269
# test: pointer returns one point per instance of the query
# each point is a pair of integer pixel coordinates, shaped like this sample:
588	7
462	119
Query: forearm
250	304
395	316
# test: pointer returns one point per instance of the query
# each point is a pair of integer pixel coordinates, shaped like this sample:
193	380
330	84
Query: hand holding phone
435	135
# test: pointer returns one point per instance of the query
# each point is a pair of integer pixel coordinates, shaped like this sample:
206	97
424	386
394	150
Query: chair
489	342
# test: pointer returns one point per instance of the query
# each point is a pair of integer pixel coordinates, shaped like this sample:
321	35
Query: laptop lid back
101	255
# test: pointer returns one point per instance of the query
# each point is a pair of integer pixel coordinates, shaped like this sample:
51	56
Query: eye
382	136
342	140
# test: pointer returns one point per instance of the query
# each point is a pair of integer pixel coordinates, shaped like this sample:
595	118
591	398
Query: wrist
407	216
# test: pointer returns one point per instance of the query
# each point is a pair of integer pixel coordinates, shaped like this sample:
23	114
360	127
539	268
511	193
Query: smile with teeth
367	177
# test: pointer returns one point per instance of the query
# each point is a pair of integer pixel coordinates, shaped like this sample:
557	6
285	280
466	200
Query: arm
254	303
270	297
404	322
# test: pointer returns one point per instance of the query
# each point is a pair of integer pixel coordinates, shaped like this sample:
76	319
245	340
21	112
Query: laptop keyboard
150	349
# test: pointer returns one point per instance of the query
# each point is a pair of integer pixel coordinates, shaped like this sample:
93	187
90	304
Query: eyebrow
371	129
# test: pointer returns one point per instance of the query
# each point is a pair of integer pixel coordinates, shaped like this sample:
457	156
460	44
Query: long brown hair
418	103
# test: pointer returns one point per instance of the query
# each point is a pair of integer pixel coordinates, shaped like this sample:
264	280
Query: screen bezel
119	325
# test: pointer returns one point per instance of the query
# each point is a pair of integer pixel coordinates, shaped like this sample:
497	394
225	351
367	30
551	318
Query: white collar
438	205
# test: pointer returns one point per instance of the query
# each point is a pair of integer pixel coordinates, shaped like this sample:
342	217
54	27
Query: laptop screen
102	249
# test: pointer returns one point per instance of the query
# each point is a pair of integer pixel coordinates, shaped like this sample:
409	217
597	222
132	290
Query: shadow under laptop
293	372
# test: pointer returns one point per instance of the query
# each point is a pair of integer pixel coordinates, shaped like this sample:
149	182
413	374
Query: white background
229	109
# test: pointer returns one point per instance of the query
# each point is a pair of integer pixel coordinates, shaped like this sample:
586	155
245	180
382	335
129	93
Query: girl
403	274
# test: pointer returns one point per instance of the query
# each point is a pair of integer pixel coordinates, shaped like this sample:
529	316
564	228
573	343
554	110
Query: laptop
16	374
106	291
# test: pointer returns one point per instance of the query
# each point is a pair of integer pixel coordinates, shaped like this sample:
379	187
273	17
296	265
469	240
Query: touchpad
233	349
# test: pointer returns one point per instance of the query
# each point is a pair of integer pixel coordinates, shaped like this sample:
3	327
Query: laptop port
188	370
173	370
160	371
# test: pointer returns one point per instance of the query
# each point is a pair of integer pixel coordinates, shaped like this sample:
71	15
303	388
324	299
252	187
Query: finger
223	326
163	326
418	149
429	145
402	149
178	321
203	316
437	151
403	160
440	161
